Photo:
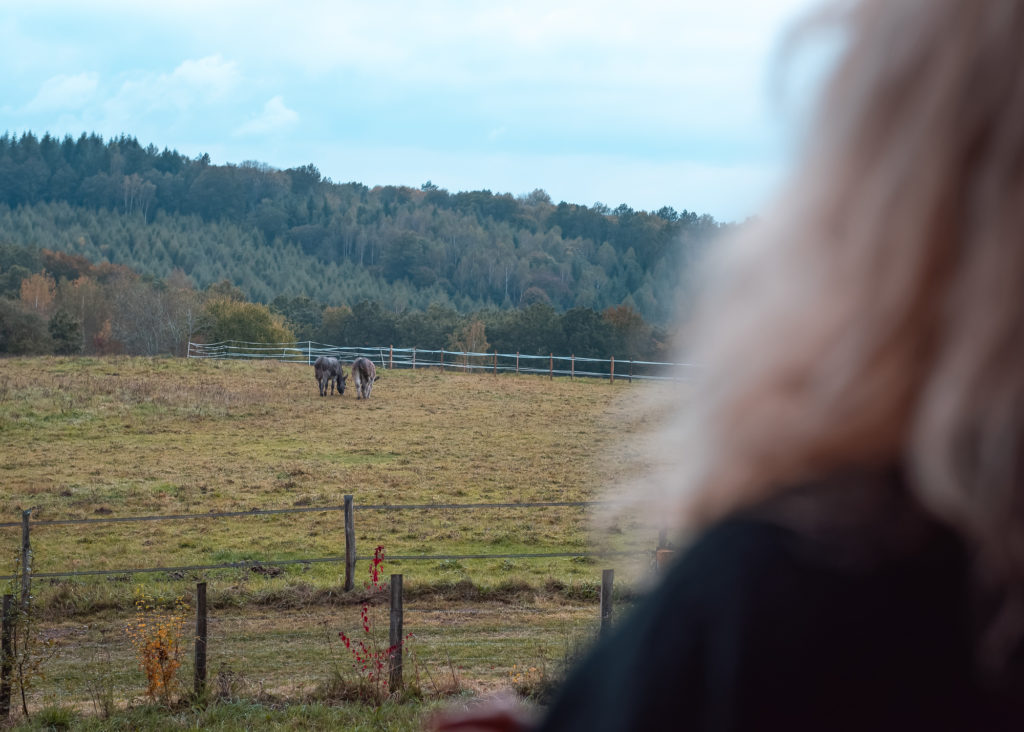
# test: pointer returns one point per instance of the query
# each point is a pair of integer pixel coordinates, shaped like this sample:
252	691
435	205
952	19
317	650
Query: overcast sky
646	103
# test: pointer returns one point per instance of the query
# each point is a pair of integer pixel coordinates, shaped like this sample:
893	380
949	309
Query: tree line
292	232
54	302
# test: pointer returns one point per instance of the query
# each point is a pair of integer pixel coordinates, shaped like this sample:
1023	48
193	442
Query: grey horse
328	370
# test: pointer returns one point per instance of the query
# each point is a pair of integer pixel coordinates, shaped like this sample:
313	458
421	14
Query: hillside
292	233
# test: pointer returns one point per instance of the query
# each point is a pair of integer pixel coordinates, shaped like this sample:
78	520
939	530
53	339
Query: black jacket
839	607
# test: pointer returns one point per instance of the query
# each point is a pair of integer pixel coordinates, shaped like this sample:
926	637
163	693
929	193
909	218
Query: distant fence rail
391	357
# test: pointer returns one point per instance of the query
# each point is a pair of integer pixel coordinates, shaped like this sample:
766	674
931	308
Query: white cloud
211	76
275	116
63	92
192	83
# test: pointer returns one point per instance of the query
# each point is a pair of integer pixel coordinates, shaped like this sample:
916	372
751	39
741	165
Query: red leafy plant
370	655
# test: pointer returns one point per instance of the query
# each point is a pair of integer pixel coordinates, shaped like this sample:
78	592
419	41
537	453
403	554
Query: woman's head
876	315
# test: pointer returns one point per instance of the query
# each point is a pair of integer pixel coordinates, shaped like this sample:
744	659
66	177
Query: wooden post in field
607	579
572	368
517	362
613	370
395	636
391	357
199	676
442	360
26	563
414	358
630	371
551	366
350	546
6	656
465	362
495	362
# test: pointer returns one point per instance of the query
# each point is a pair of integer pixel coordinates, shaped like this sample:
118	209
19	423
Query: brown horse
364	373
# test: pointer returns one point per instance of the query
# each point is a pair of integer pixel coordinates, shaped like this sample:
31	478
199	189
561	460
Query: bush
225	319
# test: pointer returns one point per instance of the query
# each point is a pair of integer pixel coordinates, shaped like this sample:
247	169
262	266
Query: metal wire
253	564
303	509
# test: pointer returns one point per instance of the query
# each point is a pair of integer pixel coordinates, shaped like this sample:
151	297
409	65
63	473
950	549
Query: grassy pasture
86	438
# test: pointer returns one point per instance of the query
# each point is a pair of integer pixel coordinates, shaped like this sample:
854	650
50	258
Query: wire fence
349	558
263	644
391	357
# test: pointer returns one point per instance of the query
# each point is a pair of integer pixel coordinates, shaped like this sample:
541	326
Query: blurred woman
853	451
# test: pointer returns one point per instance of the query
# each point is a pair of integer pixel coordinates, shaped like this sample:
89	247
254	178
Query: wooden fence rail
412	358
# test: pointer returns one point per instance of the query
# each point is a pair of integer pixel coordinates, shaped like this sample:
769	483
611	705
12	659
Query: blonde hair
876	316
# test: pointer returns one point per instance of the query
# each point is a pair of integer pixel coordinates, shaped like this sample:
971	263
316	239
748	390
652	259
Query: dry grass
83	438
90	437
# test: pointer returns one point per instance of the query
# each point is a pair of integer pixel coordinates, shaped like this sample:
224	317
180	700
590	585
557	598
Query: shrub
156	635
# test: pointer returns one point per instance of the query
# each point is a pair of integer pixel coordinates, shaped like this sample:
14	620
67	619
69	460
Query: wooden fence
412	358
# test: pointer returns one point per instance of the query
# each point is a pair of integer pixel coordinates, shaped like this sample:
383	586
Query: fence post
395	638
572	368
613	370
442	360
26	562
350	546
495	362
391	357
309	352
199	680
631	371
551	366
607	579
6	656
517	362
465	362
414	358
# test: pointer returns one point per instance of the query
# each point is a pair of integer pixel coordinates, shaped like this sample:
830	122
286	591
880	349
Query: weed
99	680
371	657
56	718
29	650
527	681
156	635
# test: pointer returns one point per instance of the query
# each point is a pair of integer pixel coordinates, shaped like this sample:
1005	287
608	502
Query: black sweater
857	620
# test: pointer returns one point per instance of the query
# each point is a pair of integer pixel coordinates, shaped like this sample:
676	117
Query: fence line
494	362
303	509
256	563
349	559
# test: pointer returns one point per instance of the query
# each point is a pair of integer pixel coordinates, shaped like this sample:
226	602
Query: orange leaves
157	635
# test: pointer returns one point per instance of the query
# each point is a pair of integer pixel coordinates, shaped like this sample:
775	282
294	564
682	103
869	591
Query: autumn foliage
156	635
370	655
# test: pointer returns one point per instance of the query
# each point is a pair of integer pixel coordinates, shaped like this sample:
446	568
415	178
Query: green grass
85	438
243	715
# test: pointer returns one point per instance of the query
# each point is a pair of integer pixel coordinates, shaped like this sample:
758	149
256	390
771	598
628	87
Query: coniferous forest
109	246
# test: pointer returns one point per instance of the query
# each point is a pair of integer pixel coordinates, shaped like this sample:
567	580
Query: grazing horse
328	370
364	373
